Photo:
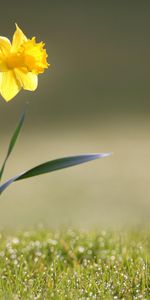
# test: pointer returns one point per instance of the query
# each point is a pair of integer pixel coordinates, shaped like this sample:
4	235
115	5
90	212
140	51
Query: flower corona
20	64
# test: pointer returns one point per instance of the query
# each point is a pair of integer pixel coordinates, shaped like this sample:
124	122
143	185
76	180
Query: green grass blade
54	165
12	142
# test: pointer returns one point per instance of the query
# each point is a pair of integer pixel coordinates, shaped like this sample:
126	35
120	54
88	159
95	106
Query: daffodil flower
20	64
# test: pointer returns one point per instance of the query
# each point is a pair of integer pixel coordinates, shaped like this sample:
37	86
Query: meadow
75	264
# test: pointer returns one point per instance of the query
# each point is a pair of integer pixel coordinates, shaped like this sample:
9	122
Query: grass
72	264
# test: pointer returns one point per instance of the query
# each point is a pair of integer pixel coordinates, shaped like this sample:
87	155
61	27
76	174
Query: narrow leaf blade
12	142
54	165
16	134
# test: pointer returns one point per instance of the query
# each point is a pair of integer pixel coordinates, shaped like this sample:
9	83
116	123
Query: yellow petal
5	45
9	86
28	81
18	39
0	79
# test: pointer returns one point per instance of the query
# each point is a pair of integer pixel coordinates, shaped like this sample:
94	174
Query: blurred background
95	97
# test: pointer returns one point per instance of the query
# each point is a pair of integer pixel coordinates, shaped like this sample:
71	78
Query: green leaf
12	142
54	165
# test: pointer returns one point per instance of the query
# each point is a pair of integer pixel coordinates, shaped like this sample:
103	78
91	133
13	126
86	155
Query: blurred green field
110	192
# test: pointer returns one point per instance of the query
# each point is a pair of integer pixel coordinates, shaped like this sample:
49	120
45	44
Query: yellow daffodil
20	64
